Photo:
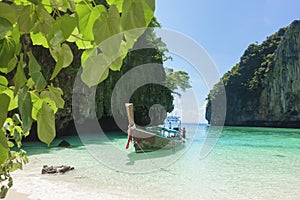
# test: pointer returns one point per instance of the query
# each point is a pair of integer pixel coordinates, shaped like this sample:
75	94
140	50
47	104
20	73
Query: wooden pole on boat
130	116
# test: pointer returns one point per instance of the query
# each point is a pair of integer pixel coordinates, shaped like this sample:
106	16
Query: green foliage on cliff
177	80
255	63
246	79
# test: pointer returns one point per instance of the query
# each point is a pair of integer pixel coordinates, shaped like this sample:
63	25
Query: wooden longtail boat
150	139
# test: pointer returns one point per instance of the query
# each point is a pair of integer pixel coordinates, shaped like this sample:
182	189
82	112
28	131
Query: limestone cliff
143	98
263	89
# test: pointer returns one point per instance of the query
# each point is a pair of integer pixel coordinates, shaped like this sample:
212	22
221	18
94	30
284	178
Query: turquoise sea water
246	163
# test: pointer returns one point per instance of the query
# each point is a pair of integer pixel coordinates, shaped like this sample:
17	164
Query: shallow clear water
246	163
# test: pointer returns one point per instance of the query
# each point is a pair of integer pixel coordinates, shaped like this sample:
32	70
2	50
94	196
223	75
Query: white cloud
189	108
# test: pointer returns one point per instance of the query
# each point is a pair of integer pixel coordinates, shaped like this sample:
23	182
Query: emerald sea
245	163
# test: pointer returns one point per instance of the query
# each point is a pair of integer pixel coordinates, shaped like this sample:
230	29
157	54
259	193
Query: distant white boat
173	122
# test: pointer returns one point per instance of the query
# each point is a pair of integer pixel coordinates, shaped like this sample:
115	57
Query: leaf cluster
177	80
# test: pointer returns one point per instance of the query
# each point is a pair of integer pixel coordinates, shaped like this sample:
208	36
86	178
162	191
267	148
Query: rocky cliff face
263	89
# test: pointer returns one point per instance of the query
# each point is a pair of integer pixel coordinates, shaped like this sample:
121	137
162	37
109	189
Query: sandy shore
14	195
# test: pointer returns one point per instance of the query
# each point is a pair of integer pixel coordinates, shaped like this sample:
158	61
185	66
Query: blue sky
224	29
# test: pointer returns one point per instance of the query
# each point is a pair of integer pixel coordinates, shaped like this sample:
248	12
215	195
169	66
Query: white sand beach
14	195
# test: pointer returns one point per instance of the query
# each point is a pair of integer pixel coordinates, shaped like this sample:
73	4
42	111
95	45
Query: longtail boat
151	138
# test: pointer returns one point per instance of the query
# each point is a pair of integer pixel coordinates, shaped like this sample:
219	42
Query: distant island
263	89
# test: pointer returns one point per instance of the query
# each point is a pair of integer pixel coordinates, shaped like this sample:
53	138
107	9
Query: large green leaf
45	22
4	102
46	124
107	25
63	5
25	108
63	56
37	103
39	39
62	29
116	64
137	13
118	3
75	35
87	53
27	19
3	147
5	26
56	38
19	78
13	104
47	5
133	15
35	72
95	70
149	7
10	65
7	51
34	66
113	51
3	83
87	17
107	33
15	34
81	44
55	94
8	12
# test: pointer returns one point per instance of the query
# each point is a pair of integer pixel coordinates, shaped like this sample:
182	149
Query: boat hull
145	141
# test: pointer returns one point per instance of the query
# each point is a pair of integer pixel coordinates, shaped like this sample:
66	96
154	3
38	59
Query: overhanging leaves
37	104
118	3
87	53
5	26
3	83
25	108
19	78
8	12
4	102
45	22
95	70
7	51
107	25
38	101
27	19
149	7
35	72
133	16
39	39
3	147
13	104
87	17
63	56
62	29
46	124
137	13
55	94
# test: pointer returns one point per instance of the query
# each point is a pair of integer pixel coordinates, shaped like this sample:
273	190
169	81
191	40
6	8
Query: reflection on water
246	163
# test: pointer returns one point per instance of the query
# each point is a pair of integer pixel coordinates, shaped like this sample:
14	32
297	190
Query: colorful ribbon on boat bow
129	131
